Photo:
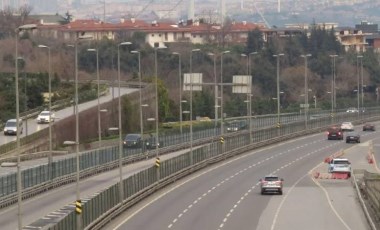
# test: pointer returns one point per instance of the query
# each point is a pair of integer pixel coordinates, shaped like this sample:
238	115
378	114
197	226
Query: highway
34	127
227	195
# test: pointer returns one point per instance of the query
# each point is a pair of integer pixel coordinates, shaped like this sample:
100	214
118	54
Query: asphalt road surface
34	127
227	195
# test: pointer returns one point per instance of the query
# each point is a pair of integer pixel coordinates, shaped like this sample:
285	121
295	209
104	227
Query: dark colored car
234	126
353	137
334	133
369	127
132	141
151	143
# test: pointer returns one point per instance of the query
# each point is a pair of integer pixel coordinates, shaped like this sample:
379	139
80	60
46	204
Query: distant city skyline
263	11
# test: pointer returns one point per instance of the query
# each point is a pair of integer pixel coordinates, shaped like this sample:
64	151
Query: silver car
271	183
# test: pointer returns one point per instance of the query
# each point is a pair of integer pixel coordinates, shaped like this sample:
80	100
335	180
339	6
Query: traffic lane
41	205
207	200
32	126
323	203
376	152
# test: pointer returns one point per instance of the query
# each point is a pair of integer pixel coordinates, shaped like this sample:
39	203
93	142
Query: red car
334	133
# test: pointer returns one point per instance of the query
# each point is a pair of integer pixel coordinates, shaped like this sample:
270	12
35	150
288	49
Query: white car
347	126
339	165
45	117
352	110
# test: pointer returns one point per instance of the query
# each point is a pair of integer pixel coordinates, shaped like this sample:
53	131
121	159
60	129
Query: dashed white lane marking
199	175
283	200
239	173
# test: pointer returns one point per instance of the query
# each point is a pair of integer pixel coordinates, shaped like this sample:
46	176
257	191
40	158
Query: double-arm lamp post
121	188
19	183
98	92
277	56
50	113
306	105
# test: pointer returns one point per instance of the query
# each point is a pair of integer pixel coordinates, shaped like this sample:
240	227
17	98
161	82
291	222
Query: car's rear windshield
271	178
338	162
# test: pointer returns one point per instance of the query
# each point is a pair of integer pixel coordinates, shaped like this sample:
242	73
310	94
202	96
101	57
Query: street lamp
78	200
121	189
97	79
358	81
140	96
215	92
278	87
221	92
191	104
333	90
180	89
306	106
362	85
249	61
156	76
50	160
19	184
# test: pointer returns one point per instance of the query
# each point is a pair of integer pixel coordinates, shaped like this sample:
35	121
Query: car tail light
339	133
328	133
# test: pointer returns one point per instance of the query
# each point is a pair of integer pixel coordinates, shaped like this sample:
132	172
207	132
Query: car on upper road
235	126
10	127
271	183
369	127
352	137
45	117
151	143
352	110
132	140
334	133
347	126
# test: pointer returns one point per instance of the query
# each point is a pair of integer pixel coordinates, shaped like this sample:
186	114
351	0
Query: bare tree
10	19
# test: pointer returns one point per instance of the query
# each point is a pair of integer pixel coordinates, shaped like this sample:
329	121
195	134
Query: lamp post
221	92
248	94
362	85
19	184
247	59
98	84
333	89
191	104
156	76
78	200
306	106
215	92
140	96
358	82
278	87
121	189
50	160
180	89
26	97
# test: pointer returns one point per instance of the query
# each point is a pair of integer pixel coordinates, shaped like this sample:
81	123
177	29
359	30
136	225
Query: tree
255	41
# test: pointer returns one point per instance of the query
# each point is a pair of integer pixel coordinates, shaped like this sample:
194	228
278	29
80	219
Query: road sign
222	140
78	206
158	162
304	105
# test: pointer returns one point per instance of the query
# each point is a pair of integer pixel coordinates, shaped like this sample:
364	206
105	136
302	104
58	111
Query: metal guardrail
262	135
